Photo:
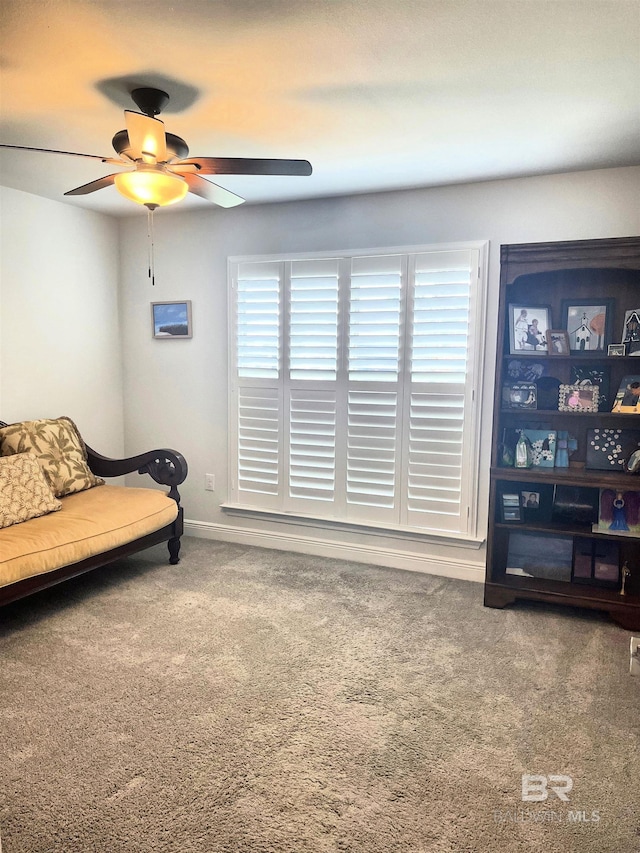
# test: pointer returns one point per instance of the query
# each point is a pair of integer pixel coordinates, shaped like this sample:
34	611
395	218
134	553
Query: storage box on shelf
533	541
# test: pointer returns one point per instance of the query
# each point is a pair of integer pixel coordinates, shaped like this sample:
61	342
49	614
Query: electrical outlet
634	664
210	482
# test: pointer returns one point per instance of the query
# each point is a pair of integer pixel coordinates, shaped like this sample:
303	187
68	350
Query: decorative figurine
626	572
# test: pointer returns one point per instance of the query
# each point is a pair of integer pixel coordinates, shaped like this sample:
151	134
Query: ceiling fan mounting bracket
150	101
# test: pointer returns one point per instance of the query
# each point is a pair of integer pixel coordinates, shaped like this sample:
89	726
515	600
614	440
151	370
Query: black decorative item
548	389
575	505
609	449
525	371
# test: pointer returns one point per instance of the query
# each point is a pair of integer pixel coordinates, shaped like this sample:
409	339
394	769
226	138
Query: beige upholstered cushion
89	523
59	448
24	490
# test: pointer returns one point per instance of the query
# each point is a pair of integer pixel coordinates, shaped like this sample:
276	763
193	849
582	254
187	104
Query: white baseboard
375	555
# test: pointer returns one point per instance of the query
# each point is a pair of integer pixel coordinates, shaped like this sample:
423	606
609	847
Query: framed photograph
588	323
628	397
519	395
558	341
578	398
617	349
171	319
510	507
527	328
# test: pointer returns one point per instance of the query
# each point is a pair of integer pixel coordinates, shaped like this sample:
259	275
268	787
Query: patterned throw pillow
24	490
59	449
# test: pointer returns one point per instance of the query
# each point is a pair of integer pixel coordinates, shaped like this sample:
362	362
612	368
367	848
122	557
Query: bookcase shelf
549	274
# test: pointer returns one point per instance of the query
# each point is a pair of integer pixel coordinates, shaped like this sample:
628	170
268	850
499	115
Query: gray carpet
250	701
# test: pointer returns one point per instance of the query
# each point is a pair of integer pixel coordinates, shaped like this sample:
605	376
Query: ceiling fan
159	170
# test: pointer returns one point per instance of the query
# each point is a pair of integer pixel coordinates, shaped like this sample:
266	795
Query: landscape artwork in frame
527	328
171	319
588	323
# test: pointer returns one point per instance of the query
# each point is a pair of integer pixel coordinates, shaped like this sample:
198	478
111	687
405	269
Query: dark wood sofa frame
166	467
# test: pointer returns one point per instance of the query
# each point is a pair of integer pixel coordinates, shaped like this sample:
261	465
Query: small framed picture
171	319
530	500
631	327
519	395
510	507
588	323
617	349
627	399
527	328
578	398
558	341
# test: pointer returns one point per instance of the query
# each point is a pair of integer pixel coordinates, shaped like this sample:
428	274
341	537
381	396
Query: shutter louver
312	444
259	417
374	319
258	321
372	448
313	322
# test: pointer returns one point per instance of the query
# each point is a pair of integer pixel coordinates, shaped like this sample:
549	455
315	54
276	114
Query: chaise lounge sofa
58	517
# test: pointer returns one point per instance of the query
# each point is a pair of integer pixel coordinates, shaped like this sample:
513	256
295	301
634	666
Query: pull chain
150	237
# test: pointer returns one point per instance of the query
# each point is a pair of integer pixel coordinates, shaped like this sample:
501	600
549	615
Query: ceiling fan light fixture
153	187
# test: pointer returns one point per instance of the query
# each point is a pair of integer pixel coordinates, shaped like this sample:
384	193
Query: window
353	386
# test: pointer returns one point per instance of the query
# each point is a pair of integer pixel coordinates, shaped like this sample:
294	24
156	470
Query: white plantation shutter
439	387
355	378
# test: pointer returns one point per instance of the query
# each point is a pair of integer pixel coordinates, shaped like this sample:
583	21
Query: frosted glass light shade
151	187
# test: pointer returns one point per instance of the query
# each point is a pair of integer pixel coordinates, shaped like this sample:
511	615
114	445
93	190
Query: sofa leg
174	550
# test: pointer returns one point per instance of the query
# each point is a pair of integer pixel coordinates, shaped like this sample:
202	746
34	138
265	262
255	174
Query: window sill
458	540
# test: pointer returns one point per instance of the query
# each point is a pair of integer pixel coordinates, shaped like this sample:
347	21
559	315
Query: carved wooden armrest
167	467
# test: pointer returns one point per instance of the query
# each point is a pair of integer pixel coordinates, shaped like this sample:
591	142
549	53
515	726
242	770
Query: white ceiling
377	94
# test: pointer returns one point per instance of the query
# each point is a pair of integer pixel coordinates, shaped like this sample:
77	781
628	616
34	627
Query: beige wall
178	389
59	324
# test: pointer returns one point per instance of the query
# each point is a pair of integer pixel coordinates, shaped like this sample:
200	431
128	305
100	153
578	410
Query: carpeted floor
251	701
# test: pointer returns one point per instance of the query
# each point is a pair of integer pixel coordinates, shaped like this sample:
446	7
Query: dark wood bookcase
554	274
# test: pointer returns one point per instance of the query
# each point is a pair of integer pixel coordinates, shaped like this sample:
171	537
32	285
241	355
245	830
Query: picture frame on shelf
519	370
618	513
588	323
596	562
631	329
171	320
627	399
510	508
527	328
575	505
617	349
558	342
578	398
519	395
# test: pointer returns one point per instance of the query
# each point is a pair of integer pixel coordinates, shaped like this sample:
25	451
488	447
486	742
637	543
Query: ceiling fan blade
147	139
69	153
212	192
247	166
91	187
